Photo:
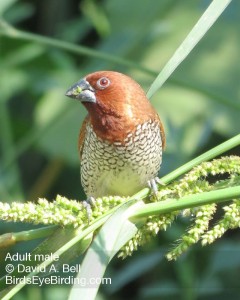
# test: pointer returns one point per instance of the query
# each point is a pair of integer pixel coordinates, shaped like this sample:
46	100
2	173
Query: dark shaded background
199	106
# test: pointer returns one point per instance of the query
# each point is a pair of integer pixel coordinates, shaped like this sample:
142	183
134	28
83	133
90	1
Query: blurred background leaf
199	106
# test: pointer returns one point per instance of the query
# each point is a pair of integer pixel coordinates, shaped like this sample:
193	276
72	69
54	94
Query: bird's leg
88	204
152	184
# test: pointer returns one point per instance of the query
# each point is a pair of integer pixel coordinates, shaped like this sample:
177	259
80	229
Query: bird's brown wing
162	132
81	136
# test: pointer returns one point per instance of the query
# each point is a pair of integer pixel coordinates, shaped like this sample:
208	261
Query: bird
122	137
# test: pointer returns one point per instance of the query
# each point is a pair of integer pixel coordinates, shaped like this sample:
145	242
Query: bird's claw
88	204
152	183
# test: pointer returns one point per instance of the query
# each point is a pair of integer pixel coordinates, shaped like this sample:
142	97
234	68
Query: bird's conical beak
83	91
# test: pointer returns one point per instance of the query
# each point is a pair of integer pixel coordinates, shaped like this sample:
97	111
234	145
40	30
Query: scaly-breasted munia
121	139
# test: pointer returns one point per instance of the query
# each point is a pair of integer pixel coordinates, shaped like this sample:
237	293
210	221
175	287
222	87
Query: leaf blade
208	18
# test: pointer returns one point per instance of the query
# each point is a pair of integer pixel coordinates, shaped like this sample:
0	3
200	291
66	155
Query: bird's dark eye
103	82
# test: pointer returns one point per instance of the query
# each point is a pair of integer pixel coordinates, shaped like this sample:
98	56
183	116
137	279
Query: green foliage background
199	106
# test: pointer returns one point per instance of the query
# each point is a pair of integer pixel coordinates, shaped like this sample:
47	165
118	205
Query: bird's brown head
116	103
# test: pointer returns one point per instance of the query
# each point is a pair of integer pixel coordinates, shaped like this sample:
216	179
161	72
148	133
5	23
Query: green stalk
9	31
9	239
208	18
196	200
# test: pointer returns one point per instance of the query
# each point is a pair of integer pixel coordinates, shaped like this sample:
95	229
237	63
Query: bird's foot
88	204
152	184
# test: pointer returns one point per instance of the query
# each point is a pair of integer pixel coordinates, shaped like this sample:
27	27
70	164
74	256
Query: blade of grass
112	236
9	31
9	239
208	18
196	200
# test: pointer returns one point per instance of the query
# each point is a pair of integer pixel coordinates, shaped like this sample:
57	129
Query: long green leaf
208	18
112	236
195	200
